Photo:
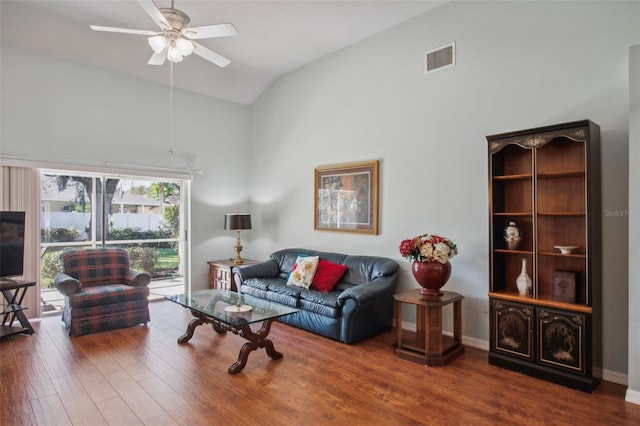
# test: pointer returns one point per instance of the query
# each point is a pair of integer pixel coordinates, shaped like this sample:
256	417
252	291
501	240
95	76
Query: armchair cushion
106	294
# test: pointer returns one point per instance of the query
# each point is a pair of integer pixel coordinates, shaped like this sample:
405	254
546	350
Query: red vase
431	276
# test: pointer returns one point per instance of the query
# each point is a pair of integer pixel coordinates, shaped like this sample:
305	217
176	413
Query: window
143	215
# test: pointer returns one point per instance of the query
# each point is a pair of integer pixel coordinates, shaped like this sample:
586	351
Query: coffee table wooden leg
190	329
237	366
255	341
271	350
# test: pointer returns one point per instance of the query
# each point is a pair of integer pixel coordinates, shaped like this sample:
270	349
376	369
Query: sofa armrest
67	285
370	291
136	278
266	269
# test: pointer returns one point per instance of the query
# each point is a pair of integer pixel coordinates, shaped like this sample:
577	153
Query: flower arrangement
428	248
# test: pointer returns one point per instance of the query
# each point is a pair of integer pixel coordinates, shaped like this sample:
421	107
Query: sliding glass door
143	215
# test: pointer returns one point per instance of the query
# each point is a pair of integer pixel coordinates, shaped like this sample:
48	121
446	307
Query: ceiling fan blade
122	30
210	55
158	58
155	14
210	31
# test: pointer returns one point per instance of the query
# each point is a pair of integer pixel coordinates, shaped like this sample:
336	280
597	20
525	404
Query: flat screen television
11	244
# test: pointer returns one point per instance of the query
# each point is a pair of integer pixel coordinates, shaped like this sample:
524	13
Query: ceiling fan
175	38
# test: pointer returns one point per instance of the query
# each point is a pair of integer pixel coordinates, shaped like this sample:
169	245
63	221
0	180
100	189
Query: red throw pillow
327	275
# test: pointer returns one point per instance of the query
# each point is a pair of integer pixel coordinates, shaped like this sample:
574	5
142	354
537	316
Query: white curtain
20	191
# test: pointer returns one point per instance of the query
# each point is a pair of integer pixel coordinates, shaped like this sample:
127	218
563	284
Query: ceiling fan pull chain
171	107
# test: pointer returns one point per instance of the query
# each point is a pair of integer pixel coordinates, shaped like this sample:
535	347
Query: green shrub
171	221
120	234
59	235
50	267
143	258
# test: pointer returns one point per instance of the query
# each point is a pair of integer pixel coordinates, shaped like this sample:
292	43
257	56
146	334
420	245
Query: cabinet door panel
561	340
513	331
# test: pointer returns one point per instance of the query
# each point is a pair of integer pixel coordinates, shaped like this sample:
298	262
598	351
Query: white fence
80	221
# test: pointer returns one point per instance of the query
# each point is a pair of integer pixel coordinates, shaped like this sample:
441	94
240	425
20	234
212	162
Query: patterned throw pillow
303	271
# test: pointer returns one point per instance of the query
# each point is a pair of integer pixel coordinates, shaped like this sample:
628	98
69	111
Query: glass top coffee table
229	311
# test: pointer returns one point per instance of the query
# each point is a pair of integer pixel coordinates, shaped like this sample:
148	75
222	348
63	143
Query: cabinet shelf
513	177
560	174
519	252
560	214
569	255
529	299
512	214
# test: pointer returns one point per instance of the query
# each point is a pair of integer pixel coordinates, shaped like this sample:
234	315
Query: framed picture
346	197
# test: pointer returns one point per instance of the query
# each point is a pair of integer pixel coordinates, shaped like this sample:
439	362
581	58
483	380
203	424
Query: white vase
523	282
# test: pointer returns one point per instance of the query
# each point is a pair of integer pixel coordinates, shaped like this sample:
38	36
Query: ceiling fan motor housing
176	18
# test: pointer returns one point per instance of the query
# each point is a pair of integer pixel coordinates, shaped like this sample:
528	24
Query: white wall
57	110
633	392
519	65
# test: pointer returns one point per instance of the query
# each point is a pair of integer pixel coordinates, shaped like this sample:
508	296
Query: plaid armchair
101	291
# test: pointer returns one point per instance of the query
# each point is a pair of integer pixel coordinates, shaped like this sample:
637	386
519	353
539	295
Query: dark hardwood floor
141	376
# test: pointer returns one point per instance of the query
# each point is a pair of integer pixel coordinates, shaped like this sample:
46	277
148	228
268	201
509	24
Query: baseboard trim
467	341
607	375
632	396
611	376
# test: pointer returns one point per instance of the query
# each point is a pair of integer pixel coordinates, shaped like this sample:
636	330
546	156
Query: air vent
440	58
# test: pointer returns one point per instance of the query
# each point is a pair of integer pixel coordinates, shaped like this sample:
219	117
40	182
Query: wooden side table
220	275
13	292
428	345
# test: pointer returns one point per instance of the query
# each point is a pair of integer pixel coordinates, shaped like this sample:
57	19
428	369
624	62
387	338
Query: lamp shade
237	221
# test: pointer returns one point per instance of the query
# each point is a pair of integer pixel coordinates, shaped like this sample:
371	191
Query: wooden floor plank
141	403
49	411
78	404
117	412
141	375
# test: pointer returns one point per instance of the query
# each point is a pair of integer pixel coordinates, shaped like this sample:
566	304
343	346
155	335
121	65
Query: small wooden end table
221	274
428	345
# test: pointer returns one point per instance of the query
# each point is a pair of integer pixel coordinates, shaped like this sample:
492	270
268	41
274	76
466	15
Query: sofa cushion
260	283
107	294
303	271
279	286
284	299
318	308
327	275
321	298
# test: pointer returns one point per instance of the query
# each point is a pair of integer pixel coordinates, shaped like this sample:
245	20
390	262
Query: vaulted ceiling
275	37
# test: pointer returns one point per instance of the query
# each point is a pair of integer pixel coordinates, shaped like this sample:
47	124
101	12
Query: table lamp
236	222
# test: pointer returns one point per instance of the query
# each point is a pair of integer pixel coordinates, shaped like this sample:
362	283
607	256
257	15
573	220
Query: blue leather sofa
360	306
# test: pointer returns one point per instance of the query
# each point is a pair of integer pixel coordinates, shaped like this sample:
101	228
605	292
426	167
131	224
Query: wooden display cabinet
548	181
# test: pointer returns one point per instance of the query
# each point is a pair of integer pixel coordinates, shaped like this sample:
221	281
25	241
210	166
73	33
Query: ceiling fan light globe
184	46
158	43
174	55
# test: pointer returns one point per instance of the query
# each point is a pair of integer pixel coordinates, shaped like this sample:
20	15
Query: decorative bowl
566	249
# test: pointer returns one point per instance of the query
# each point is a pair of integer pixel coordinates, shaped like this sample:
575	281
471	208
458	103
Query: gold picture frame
346	197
